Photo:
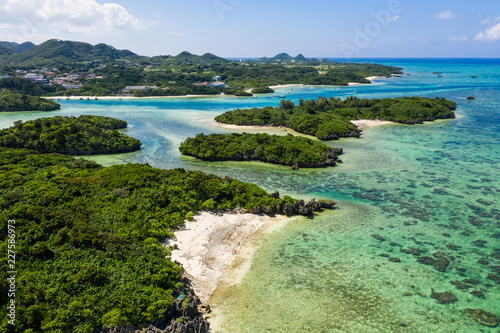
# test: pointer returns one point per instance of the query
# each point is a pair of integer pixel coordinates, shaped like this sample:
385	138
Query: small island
10	102
241	93
262	90
329	119
83	135
295	151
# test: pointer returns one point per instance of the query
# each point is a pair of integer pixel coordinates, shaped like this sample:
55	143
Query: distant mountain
17	48
286	58
54	52
186	58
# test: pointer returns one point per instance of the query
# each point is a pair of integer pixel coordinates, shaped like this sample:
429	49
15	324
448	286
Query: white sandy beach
91	98
286	86
364	123
211	243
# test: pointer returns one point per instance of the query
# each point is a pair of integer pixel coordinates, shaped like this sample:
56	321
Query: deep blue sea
403	192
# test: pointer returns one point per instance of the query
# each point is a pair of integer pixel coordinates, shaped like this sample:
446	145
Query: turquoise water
433	188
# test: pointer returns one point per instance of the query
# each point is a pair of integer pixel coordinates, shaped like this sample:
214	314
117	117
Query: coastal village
75	80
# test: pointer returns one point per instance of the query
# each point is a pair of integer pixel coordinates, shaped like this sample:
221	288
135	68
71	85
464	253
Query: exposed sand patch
210	243
365	123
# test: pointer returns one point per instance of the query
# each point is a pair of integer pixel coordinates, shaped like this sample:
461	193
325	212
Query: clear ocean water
402	190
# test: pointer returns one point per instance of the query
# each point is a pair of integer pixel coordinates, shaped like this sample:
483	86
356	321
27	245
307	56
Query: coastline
92	98
350	84
211	243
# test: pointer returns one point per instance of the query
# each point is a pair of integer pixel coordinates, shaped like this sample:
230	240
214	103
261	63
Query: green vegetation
285	150
25	86
83	135
16	47
112	70
57	52
20	102
241	93
88	238
328	119
262	90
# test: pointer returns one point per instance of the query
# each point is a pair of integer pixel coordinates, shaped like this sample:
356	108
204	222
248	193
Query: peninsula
94	234
329	119
288	150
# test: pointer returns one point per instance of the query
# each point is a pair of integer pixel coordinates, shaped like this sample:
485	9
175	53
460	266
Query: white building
217	85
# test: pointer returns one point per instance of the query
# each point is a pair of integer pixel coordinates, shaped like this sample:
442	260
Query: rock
426	260
482	317
471	281
441	264
288	210
444	298
412	251
493	277
483	262
460	285
394	259
378	237
478	294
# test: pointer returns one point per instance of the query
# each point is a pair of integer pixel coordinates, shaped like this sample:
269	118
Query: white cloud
394	18
458	38
490	34
36	19
489	20
447	15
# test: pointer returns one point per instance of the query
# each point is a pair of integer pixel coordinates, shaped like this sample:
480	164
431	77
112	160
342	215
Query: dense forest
83	135
328	119
262	90
88	238
20	102
286	150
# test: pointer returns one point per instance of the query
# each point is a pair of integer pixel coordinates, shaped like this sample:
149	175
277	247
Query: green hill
57	52
286	58
186	58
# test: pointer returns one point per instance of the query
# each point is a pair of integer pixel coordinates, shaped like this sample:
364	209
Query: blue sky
253	28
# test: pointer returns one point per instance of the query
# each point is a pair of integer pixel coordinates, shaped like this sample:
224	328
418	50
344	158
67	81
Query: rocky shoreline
297	208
